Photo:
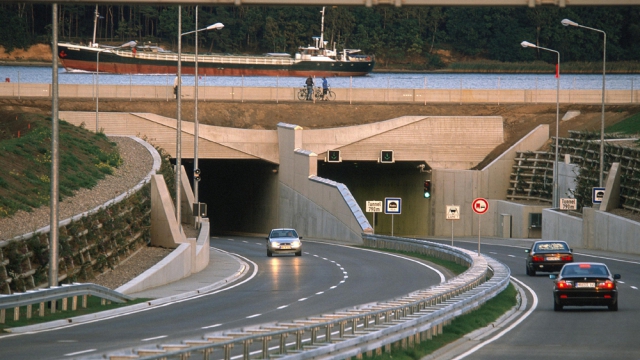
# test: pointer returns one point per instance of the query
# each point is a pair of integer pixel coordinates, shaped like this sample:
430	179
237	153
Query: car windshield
283	233
585	270
551	246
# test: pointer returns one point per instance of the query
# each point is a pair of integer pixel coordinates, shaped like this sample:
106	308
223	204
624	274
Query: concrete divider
359	95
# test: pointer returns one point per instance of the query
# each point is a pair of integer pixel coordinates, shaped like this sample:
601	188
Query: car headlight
296	243
275	244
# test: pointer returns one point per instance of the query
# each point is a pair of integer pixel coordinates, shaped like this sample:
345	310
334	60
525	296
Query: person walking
309	83
325	88
175	87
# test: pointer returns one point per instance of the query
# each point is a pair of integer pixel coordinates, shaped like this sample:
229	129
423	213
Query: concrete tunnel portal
242	195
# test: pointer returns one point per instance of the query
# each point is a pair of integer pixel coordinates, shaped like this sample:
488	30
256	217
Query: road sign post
568	204
453	213
392	205
479	206
374	207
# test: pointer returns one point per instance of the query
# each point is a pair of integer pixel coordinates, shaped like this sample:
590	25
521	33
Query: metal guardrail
52	294
372	327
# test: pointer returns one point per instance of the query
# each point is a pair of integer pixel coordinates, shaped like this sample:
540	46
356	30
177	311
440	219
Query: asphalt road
282	288
576	332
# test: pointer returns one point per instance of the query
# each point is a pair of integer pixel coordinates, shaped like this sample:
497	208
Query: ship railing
232	59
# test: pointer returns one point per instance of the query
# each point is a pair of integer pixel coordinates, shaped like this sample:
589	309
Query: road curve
325	278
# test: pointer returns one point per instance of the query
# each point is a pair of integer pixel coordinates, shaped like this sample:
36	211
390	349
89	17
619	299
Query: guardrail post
206	353
84	301
245	349
327	337
29	311
74	303
64	304
41	310
314	333
265	347
227	351
299	339
16	313
2	316
283	343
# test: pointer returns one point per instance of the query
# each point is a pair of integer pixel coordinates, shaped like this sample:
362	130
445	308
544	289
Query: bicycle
320	96
302	93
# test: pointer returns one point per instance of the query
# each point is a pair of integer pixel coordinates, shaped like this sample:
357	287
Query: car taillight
563	284
608	285
566	258
537	258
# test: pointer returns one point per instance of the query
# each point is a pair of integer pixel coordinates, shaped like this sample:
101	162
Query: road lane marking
282	307
211	326
634	288
511	327
302	299
333	287
320	293
512	256
80	352
155	338
252	316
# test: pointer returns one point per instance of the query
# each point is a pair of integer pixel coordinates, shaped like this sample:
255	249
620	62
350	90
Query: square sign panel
386	156
598	195
392	206
333	156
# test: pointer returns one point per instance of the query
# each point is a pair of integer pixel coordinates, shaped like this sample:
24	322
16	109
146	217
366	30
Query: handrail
364	328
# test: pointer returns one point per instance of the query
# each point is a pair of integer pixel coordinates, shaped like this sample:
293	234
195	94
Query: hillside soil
519	119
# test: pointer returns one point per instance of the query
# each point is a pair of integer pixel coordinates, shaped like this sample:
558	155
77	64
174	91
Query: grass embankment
25	160
630	125
460	326
93	306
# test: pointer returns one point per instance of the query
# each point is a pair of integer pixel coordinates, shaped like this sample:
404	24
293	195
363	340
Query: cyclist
309	84
325	88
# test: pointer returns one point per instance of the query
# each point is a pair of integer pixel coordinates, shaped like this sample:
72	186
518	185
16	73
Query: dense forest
394	35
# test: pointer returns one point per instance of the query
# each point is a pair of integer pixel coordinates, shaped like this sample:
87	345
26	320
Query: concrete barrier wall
558	225
520	228
359	95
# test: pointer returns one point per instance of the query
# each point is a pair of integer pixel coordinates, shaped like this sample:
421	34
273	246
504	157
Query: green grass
93	306
85	158
630	125
459	327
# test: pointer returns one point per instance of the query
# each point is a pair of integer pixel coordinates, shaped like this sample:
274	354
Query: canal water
40	75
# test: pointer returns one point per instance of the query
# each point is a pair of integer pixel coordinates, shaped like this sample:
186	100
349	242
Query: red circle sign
480	206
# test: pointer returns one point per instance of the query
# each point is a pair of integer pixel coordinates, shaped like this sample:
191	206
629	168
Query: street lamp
215	26
567	22
555	161
129	44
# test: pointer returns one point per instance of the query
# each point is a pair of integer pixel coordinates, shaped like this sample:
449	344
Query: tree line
392	34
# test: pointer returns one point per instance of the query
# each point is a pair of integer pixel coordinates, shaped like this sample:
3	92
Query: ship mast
95	25
321	45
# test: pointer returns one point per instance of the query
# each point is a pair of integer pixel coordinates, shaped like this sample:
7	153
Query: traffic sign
392	206
568	204
597	195
453	212
374	206
480	206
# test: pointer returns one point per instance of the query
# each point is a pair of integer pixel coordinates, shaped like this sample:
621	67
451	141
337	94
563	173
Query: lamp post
129	44
567	22
215	26
555	161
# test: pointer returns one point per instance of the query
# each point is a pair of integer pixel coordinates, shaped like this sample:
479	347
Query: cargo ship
131	58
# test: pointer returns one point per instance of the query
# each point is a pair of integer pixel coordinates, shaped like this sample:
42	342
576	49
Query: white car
284	241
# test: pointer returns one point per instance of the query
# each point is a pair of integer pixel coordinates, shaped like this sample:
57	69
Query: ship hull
116	61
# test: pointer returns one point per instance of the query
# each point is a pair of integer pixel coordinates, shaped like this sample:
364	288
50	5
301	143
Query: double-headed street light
215	26
555	162
130	44
567	22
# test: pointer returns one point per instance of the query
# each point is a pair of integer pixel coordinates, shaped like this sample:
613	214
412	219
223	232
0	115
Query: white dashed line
155	338
252	316
210	326
282	307
303	299
512	256
320	293
333	287
80	352
634	288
